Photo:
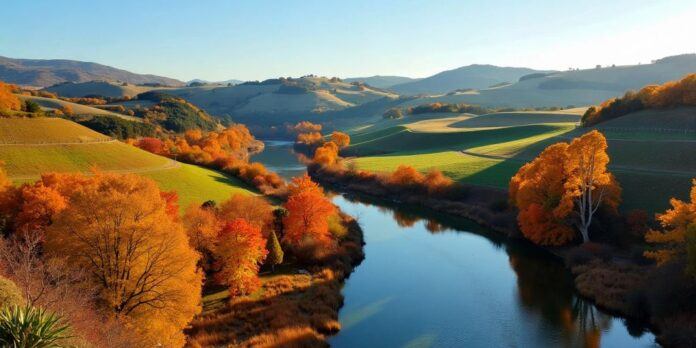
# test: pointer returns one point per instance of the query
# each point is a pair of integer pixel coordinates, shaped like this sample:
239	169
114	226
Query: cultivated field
489	149
44	145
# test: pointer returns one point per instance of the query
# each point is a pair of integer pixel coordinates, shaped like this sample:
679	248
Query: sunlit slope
100	88
652	166
42	145
77	109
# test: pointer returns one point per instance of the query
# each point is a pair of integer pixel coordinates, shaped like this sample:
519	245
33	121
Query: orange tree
239	251
564	186
7	99
117	228
341	139
679	233
308	214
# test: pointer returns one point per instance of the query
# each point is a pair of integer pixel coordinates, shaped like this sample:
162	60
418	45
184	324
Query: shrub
10	295
31	327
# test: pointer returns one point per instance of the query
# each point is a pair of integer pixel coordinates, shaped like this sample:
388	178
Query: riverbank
297	304
607	277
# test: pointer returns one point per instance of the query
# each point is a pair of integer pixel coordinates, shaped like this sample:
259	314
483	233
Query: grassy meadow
42	145
489	149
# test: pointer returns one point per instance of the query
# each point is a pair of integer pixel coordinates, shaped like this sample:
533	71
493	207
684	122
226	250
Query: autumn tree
202	226
536	190
678	235
564	186
589	185
117	228
275	252
254	209
308	213
239	251
327	154
341	139
8	100
153	145
67	110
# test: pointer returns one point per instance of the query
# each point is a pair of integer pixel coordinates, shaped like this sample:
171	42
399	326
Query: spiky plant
31	327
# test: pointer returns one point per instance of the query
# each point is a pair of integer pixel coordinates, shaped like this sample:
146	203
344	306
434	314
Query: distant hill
576	87
206	82
468	77
47	72
380	81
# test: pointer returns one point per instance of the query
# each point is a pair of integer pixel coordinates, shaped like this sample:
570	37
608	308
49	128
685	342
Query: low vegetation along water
433	281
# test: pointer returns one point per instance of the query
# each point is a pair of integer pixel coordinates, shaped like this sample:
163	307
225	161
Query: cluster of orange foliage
227	150
670	94
679	235
562	187
126	234
8	100
232	239
328	153
307	220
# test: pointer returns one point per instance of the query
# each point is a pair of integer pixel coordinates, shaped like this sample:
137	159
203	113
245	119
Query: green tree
31	106
275	252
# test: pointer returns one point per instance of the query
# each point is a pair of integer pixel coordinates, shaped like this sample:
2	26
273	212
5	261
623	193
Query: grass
78	109
47	130
197	184
26	162
651	166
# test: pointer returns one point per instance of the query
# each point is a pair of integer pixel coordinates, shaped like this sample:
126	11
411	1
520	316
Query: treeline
227	150
668	95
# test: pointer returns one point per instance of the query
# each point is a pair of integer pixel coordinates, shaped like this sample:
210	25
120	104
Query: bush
10	295
31	327
31	106
118	127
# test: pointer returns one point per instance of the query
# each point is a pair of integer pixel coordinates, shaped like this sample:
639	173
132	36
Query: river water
434	281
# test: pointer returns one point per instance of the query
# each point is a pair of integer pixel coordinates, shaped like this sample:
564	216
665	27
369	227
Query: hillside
472	76
32	146
487	150
380	81
78	109
577	87
97	88
47	72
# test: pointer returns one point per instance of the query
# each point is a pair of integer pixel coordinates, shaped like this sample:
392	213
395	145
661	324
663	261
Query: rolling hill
577	87
78	109
472	76
47	72
97	88
32	146
380	81
651	165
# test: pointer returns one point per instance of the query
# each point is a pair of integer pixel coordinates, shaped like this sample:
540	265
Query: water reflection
543	291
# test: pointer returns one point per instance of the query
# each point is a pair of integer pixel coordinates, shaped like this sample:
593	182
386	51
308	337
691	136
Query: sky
260	39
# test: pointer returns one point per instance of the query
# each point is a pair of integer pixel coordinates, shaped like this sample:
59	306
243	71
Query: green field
652	167
45	148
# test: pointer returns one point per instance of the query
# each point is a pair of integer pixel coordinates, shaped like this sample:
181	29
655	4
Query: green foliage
275	252
31	106
182	116
10	295
30	327
118	127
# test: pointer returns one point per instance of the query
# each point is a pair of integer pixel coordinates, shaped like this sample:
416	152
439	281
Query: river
434	281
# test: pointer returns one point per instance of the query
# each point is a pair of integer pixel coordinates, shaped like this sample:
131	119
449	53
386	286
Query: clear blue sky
259	39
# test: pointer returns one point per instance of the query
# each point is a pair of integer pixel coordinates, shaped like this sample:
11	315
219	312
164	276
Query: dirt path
612	167
171	164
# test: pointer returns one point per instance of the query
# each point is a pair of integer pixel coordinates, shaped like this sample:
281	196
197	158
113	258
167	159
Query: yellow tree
589	185
679	224
116	227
